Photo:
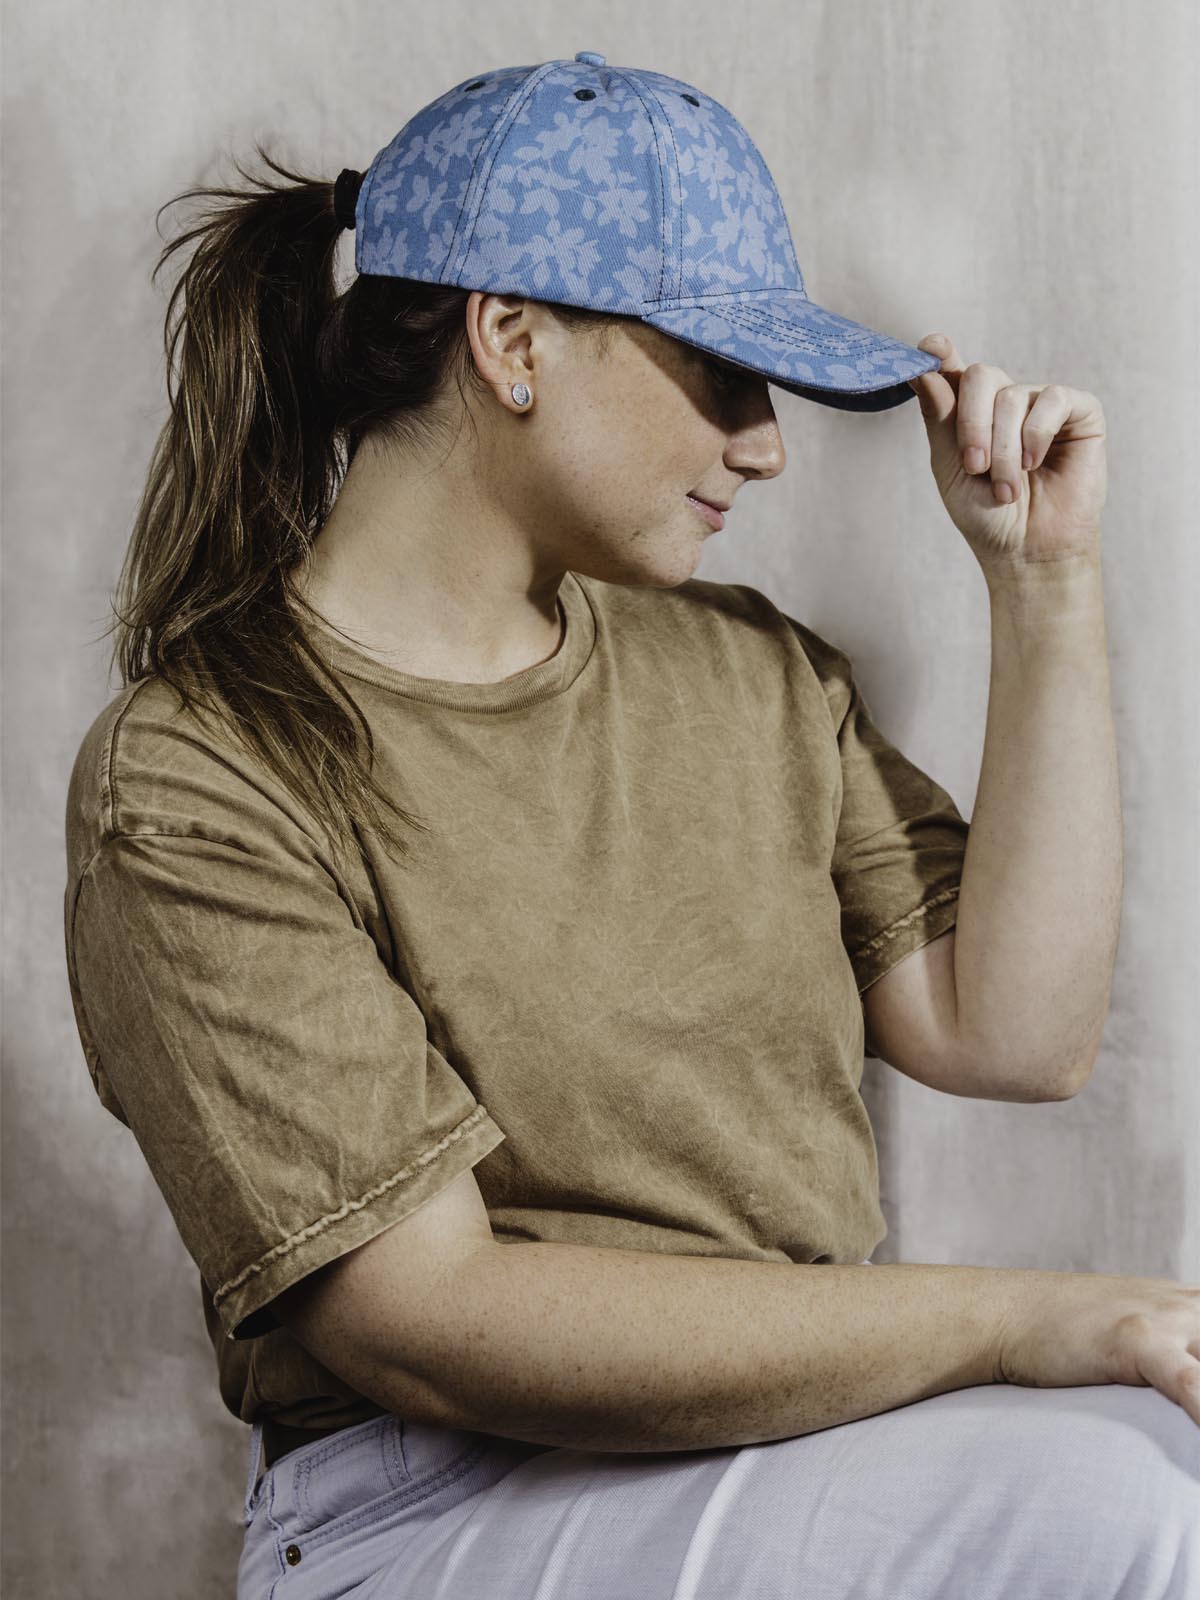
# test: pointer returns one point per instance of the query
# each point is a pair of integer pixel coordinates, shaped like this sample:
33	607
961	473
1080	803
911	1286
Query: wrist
1047	591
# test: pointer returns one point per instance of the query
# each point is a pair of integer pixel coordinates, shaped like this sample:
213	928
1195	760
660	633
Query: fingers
989	418
1172	1372
1159	1345
940	344
935	389
1010	407
983	432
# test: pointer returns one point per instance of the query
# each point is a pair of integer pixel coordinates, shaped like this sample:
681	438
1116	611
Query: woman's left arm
1040	899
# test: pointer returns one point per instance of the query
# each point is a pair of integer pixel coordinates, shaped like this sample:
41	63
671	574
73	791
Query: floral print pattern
619	189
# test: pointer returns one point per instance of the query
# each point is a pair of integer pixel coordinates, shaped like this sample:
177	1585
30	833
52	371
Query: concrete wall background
1019	177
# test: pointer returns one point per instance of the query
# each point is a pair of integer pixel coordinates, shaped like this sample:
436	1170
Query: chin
668	571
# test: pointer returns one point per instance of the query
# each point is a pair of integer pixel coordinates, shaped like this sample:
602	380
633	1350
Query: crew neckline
533	684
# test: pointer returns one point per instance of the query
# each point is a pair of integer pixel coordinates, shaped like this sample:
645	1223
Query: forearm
607	1349
1040	899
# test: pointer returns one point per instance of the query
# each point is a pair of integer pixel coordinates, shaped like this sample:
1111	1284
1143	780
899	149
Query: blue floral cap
620	190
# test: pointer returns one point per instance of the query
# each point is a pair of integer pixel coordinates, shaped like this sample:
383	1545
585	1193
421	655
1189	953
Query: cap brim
801	347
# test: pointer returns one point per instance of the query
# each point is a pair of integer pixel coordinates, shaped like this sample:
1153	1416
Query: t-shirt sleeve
276	1076
900	839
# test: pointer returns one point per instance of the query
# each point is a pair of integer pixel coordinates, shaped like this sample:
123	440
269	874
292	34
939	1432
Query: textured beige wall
1022	177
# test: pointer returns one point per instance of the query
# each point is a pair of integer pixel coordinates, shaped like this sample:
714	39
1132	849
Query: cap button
590	57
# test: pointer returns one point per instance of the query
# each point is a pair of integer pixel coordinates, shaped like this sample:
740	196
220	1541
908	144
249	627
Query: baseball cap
621	190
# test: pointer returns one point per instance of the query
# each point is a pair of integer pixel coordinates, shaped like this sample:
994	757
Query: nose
756	449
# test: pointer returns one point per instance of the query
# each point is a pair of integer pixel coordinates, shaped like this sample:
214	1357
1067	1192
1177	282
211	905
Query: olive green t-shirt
619	976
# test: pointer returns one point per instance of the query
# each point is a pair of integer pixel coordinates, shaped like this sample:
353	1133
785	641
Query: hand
1101	1328
1060	487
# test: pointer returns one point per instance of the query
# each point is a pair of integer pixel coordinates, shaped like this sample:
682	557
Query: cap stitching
762	319
500	131
662	211
809	344
684	302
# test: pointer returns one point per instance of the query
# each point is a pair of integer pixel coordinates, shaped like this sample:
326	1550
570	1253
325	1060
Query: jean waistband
278	1438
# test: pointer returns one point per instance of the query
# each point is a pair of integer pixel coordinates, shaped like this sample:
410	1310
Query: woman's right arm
623	1350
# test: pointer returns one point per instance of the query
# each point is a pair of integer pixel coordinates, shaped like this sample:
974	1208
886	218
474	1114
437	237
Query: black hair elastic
345	195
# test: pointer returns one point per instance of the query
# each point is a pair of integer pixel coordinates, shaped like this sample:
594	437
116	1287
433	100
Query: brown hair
273	377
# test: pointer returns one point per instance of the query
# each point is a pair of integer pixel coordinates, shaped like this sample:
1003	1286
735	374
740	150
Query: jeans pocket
364	1473
340	1509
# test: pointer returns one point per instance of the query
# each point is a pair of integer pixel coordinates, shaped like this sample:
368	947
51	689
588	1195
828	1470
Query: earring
522	394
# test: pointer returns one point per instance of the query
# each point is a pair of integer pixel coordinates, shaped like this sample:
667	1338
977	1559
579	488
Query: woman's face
598	468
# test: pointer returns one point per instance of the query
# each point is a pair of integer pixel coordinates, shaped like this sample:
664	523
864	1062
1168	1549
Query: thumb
924	399
934	396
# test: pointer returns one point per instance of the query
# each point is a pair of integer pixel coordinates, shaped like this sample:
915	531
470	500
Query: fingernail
1003	492
974	459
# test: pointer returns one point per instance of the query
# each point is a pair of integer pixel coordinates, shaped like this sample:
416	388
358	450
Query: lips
713	515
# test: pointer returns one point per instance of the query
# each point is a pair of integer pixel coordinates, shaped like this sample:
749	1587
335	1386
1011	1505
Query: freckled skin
446	561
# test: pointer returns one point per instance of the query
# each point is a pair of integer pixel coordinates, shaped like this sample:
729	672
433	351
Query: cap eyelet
690	98
478	84
585	94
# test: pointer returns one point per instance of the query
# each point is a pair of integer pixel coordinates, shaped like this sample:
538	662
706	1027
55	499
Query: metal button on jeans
292	1554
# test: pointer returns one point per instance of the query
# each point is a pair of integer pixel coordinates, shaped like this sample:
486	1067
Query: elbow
1058	1078
1064	1083
1081	1069
1032	1085
1075	1076
1075	1081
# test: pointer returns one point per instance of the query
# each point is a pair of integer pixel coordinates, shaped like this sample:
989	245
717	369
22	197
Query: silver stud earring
521	393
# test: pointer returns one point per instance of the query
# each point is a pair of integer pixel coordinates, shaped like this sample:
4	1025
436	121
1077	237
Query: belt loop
254	1473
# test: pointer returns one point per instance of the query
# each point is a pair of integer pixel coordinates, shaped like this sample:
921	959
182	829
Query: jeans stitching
371	1429
337	1446
397	1462
252	1474
396	1499
278	1527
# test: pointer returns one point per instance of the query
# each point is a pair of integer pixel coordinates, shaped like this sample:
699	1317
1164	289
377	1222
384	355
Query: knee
1152	1481
1111	1486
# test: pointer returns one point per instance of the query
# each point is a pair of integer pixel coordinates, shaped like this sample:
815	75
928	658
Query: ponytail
274	379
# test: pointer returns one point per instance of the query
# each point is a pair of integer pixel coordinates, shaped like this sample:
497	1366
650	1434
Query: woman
490	1118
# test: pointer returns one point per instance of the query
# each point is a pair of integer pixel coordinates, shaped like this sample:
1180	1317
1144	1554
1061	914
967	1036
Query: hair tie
345	195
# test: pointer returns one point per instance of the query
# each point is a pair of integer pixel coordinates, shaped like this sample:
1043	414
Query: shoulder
148	764
739	614
742	625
